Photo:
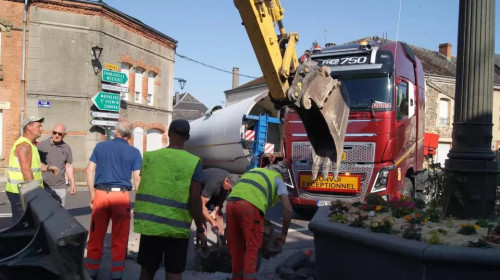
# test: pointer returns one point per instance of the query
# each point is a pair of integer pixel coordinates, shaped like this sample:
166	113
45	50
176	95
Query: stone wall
439	88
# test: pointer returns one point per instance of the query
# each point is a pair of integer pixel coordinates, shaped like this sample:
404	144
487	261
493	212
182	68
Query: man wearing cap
258	190
108	179
54	151
167	201
24	164
217	183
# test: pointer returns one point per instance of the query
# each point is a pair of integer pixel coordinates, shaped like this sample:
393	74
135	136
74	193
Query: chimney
176	98
236	77
445	50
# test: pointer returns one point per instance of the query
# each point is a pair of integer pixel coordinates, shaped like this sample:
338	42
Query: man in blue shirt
108	179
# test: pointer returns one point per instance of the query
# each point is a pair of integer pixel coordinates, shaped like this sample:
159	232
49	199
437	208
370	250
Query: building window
151	88
153	140
402	100
138	85
139	138
444	112
125	69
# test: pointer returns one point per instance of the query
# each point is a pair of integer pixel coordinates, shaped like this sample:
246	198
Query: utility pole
471	158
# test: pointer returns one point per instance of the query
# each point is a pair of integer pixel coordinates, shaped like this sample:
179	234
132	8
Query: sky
210	32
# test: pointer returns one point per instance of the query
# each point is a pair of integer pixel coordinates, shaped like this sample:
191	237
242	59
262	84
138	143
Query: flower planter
344	252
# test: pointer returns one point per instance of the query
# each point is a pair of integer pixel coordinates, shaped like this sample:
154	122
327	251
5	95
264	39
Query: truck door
405	122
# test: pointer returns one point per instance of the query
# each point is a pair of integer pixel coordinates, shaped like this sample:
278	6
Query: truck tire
408	188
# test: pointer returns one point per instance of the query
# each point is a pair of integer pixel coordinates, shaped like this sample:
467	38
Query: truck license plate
342	184
323	203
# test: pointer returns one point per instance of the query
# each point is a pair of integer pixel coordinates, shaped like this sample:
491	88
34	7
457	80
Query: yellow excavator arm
276	53
307	88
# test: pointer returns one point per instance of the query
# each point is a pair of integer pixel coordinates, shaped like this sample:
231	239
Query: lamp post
96	51
181	81
96	64
471	157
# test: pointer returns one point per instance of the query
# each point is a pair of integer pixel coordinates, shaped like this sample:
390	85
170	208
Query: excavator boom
307	88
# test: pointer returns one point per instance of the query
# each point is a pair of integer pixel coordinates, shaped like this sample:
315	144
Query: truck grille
360	157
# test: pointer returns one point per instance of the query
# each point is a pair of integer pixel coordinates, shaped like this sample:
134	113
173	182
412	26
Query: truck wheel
408	189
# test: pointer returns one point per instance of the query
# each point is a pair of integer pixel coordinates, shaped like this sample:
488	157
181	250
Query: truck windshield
369	92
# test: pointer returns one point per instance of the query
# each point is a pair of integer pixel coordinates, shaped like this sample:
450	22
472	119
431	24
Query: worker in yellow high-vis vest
167	201
24	164
258	190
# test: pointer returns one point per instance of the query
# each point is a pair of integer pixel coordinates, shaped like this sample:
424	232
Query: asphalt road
299	238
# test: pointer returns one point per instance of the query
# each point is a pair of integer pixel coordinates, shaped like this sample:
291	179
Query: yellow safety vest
15	176
257	187
162	199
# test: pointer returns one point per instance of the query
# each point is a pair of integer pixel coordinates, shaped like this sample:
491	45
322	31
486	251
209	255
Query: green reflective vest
257	187
162	199
15	176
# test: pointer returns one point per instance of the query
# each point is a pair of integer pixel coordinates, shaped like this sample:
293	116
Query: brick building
63	72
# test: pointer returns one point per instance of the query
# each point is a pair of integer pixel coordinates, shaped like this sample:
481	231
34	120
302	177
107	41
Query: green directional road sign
107	101
113	77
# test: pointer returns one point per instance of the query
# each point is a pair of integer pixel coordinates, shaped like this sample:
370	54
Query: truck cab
383	147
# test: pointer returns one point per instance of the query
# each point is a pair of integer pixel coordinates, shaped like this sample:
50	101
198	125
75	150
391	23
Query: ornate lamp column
471	157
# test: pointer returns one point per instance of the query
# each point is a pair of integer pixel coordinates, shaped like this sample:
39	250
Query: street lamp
96	51
96	64
181	81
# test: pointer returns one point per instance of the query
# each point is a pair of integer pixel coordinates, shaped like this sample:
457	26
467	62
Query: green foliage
338	207
338	218
434	215
450	221
356	204
419	203
442	186
374	200
417	219
401	206
485	224
497	229
358	221
466	229
435	237
479	243
442	231
412	232
497	205
383	226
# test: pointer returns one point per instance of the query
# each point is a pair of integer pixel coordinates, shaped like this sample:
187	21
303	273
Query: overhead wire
397	29
210	66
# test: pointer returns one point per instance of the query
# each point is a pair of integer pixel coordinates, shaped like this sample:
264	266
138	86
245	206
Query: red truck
383	152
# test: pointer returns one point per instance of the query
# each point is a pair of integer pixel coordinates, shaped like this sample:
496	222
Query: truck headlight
380	183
